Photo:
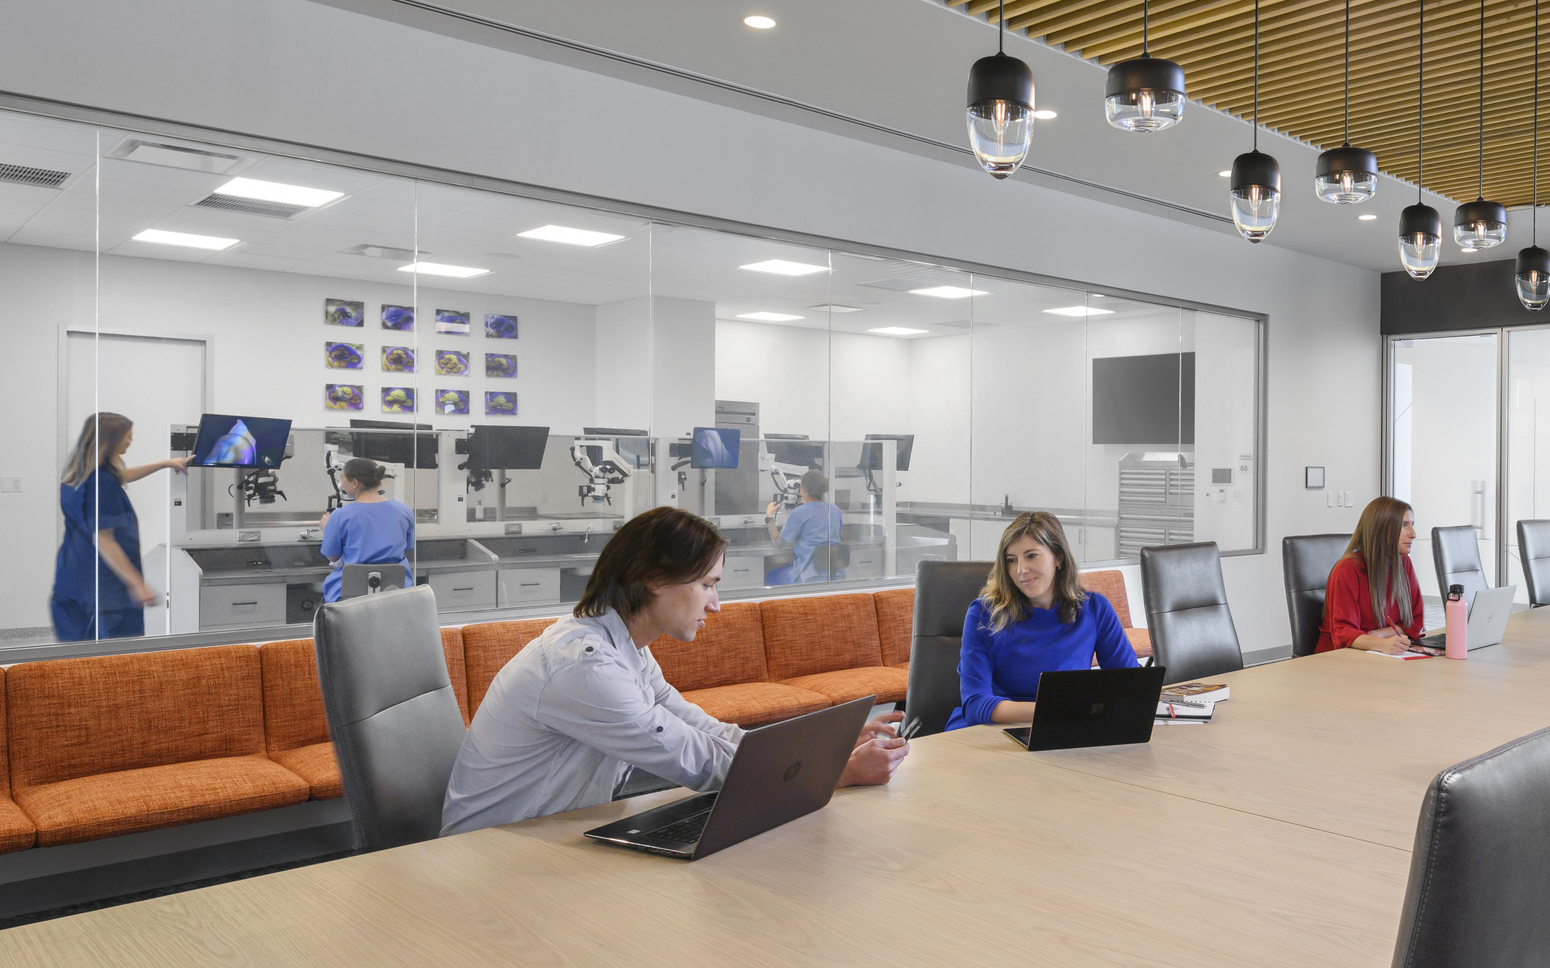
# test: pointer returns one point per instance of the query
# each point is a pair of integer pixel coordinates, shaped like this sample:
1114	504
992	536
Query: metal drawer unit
742	571
464	589
529	586
1156	501
237	606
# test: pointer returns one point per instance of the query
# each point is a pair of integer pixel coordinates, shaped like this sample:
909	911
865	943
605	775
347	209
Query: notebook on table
779	773
1092	707
1487	624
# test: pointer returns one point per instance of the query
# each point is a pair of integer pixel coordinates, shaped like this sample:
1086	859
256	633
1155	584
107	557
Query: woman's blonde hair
1376	539
1007	602
97	446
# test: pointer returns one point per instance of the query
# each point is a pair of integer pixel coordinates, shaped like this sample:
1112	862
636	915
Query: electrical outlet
249	537
1350	499
10	485
514	527
1329	498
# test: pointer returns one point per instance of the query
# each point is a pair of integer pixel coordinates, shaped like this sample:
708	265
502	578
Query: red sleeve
1417	607
1345	604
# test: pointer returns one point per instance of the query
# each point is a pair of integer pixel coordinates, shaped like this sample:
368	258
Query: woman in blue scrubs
372	529
811	524
1031	617
99	589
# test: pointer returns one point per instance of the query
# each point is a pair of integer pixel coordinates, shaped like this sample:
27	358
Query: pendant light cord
1256	75
1420	104
1347	138
1145	33
1534	211
1001	28
1480	186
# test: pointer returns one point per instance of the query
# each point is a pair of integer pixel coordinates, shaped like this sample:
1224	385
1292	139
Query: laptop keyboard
685	831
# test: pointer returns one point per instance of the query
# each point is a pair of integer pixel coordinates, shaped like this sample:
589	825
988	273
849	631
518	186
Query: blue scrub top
376	533
98	503
812	523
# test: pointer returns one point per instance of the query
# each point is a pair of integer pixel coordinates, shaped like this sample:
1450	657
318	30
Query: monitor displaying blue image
714	447
225	440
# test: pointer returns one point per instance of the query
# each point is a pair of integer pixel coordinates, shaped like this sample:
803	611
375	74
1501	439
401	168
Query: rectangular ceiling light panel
569	236
162	237
437	269
268	191
782	267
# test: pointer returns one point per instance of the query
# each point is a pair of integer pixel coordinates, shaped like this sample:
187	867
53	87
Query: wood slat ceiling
1302	78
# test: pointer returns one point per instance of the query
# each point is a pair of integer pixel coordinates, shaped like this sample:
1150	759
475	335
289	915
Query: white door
154	382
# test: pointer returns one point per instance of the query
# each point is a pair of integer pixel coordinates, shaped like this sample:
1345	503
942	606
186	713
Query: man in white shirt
567	718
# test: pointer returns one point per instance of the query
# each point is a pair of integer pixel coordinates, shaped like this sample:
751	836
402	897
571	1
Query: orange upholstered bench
16	829
830	645
295	730
125	743
1111	585
488	646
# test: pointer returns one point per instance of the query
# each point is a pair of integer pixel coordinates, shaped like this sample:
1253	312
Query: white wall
260	68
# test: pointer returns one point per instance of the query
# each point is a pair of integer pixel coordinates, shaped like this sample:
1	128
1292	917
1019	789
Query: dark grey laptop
1092	707
780	772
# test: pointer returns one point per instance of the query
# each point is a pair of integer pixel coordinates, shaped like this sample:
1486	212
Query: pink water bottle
1456	623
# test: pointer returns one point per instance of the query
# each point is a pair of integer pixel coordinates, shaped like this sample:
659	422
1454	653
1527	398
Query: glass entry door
1444	436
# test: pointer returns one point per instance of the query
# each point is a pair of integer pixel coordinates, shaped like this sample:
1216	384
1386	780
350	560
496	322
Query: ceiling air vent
252	206
37	177
173	156
384	252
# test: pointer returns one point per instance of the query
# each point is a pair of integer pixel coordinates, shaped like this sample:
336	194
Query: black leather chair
1306	561
1480	869
1456	554
1534	547
944	590
392	712
1187	613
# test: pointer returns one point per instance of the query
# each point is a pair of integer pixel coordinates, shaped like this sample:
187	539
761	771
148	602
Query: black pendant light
1480	224
1346	175
1256	178
1533	272
1144	93
1000	108
1420	227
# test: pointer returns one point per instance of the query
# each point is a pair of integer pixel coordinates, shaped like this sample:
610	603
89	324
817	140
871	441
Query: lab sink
256	558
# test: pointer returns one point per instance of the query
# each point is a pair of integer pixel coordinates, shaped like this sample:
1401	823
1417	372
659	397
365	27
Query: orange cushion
1111	585
730	650
1141	641
72	718
888	683
452	649
804	636
895	623
293	703
16	830
317	765
752	703
158	796
487	648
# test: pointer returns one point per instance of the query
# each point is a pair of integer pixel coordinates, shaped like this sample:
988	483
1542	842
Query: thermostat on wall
1221	475
1313	478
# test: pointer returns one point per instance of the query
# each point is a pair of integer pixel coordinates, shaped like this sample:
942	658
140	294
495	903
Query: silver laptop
1487	619
780	772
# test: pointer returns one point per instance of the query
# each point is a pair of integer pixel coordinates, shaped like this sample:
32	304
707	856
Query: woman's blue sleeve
409	531
974	669
333	535
1113	646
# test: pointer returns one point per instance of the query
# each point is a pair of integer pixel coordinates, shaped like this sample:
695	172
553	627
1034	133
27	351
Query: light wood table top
1301	799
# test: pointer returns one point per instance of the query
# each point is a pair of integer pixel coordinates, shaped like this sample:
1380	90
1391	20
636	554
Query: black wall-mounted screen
1144	400
234	441
872	454
410	450
507	448
712	447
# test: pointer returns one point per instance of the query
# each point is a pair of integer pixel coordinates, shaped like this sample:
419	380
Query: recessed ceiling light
834	308
949	292
1224	173
1079	311
1095	295
568	236
1366	218
764	317
268	191
437	269
898	331
183	238
1045	114
759	22
783	268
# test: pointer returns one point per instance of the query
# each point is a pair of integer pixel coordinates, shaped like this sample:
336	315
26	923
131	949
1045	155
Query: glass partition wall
533	373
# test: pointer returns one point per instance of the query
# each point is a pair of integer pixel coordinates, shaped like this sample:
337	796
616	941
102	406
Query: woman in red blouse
1372	600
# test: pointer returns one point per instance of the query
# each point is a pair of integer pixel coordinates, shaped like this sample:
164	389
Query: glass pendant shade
1144	94
1256	194
1000	113
1420	240
1480	224
1533	278
1346	175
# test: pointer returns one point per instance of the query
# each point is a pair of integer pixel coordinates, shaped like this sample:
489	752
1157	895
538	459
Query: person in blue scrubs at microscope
812	524
370	529
99	588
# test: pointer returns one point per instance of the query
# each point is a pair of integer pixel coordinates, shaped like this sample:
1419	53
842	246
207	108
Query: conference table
1279	834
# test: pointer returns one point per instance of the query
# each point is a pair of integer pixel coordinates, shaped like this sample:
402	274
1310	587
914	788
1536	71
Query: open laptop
1487	624
1092	707
780	772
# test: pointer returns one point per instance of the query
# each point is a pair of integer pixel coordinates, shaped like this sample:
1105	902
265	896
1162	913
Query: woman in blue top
372	529
99	589
813	523
1031	617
